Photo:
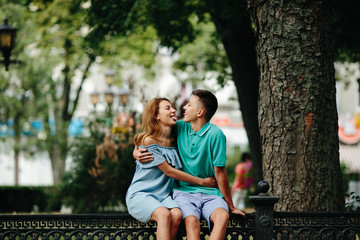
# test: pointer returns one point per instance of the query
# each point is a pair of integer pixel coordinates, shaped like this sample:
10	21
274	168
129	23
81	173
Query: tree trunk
297	106
239	43
57	144
16	167
17	136
58	149
57	162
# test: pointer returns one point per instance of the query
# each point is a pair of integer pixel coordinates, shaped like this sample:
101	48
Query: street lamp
110	77
124	96
7	41
114	96
94	98
109	97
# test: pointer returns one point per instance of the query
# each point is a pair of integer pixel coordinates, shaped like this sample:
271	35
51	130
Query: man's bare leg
219	218
192	225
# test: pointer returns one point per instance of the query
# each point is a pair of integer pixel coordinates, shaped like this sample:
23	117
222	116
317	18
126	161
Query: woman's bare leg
162	217
176	217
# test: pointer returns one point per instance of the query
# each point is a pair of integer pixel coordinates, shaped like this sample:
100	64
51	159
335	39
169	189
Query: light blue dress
150	187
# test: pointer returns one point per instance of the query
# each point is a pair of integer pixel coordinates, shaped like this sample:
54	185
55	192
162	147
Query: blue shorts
198	204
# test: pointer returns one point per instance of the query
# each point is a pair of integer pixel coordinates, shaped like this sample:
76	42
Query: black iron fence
262	224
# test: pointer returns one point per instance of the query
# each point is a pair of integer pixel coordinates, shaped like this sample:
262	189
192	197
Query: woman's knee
161	214
176	215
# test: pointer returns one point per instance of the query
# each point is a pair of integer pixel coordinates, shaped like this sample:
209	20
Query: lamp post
109	98
109	77
7	42
112	94
118	118
109	93
94	98
124	96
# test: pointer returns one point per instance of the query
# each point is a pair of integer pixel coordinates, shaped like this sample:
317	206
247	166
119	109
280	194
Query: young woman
148	197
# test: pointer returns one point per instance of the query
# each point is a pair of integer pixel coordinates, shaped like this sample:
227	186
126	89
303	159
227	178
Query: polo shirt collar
203	130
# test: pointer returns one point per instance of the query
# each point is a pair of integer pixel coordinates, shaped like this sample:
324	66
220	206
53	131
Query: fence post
264	207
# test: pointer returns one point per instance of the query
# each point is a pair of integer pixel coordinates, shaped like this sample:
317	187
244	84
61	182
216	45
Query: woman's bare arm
183	176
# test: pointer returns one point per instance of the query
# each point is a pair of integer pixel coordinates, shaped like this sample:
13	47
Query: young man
202	148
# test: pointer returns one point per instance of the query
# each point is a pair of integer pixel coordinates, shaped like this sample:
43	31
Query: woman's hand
209	182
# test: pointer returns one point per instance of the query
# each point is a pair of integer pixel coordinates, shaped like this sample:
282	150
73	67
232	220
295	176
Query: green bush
27	199
103	167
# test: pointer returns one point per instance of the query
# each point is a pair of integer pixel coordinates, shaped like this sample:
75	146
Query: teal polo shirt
200	152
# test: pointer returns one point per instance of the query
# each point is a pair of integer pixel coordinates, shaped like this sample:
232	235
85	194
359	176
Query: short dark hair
209	101
245	156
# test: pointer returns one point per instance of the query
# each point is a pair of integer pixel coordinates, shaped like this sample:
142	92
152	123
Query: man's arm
224	187
142	155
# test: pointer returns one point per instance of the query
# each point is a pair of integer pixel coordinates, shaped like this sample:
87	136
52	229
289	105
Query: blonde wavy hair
150	126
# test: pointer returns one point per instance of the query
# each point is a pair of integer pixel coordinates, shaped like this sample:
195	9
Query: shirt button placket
193	137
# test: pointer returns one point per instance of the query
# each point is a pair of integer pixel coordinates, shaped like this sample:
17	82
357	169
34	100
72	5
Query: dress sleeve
158	157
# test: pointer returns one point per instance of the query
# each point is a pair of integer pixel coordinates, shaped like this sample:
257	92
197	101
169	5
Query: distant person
202	147
243	181
148	197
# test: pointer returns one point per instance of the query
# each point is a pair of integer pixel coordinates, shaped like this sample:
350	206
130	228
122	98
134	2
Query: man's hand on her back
142	155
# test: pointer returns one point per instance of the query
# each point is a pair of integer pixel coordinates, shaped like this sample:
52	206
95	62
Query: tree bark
232	22
297	106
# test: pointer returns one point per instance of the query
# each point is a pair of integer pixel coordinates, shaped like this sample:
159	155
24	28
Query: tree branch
85	75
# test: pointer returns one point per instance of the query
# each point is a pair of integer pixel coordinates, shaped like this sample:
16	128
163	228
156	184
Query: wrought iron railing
316	225
263	224
101	226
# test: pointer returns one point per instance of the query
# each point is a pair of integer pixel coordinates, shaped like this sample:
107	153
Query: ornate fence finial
264	206
263	187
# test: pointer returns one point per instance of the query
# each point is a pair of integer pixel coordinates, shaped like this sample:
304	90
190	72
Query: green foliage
233	158
57	49
352	200
119	18
171	19
102	169
22	85
28	199
135	49
345	176
205	55
182	26
346	36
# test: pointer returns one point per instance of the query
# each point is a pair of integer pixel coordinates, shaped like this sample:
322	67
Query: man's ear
201	113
